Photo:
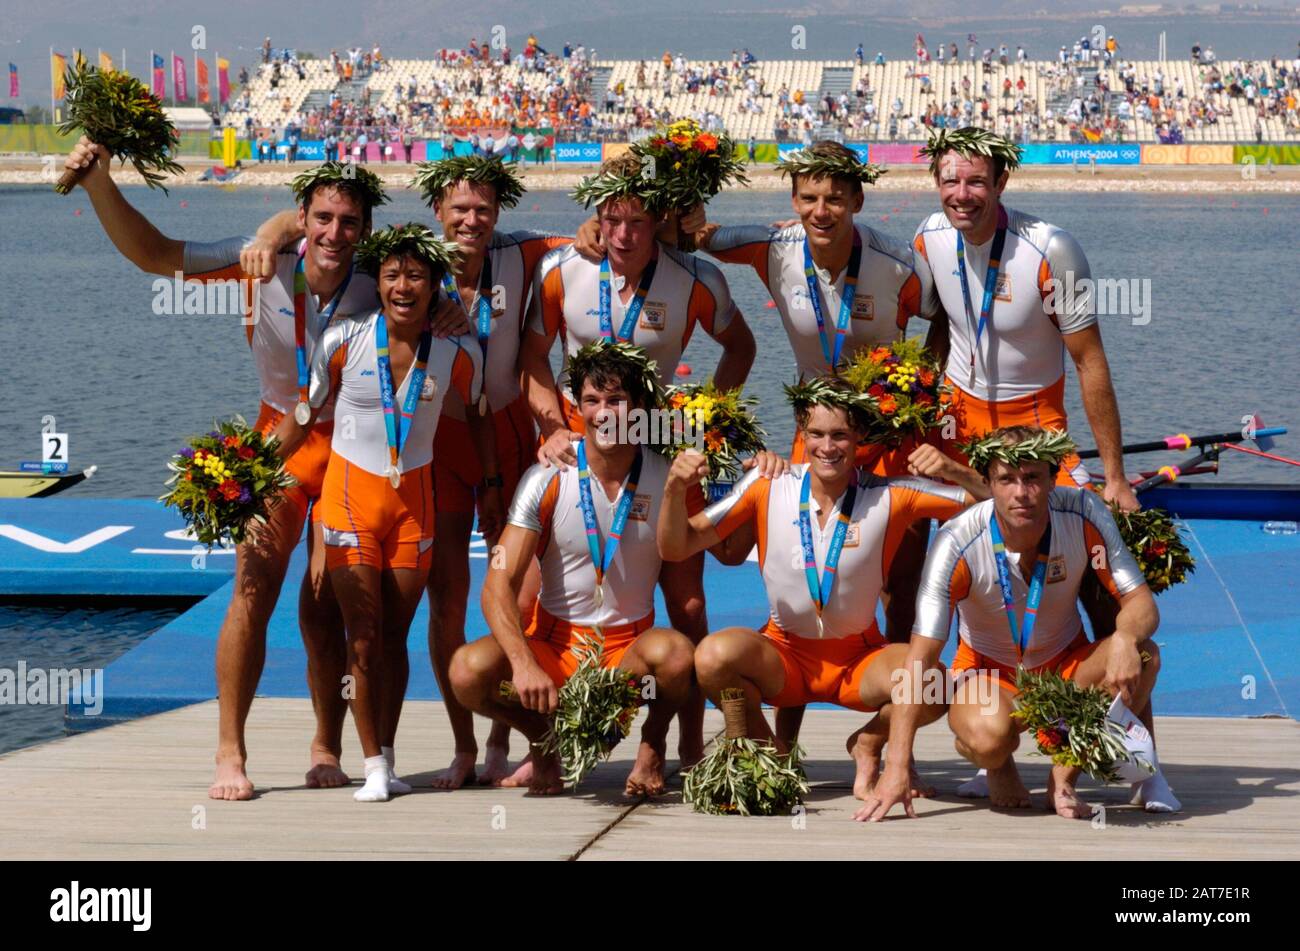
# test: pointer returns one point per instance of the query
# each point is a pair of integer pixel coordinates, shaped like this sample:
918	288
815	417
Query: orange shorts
876	459
1045	409
551	640
307	464
456	469
826	670
1066	663
368	522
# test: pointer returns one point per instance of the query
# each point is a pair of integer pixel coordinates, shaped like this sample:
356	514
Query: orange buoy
884	217
76	212
1265	211
537	207
770	304
185	204
683	369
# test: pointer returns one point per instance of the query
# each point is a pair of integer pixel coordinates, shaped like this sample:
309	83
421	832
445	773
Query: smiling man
827	532
996	272
306	287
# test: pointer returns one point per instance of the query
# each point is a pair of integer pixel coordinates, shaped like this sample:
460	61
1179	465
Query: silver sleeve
719	509
934	598
735	236
327	344
526	507
199	257
1076	308
1124	568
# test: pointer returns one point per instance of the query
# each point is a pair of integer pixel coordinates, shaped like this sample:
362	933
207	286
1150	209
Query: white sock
376	787
1154	795
977	787
395	785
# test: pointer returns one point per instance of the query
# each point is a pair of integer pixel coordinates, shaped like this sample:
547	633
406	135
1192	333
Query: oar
1171	473
1259	435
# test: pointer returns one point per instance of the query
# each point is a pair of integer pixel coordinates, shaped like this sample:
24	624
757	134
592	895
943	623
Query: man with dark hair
1010	568
593	529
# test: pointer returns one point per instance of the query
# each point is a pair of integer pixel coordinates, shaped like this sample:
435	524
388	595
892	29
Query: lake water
127	386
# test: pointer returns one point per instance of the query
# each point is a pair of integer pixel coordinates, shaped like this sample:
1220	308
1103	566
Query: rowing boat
39	485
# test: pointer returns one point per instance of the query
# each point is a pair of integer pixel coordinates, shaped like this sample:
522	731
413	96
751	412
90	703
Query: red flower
189	477
926	378
230	489
230	441
1157	550
888	405
213	495
876	389
658	142
246	452
923	399
1048	739
704	142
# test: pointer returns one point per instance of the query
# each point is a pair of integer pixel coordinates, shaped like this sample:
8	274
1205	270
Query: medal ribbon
300	316
483	321
602	561
832	356
399	428
1021	634
820	590
626	331
990	283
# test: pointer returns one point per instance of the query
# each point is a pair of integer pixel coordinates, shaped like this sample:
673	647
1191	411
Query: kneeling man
827	532
1012	567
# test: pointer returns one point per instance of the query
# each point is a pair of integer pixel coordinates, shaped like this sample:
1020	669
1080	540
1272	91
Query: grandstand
785	100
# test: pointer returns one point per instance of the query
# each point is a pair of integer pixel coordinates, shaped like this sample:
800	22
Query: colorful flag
13	81
223	80
179	87
58	66
159	76
105	61
201	78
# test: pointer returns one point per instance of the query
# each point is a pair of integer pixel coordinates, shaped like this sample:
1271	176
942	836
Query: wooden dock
138	790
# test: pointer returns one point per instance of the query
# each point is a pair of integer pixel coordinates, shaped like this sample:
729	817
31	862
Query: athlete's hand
693	221
1119	492
491	513
258	259
929	461
589	242
782	225
449	319
704	234
893	787
1123	667
689	468
558	450
768	464
89	159
535	689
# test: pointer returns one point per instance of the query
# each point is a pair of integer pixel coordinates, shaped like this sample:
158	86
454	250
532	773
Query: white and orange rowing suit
271	338
512	261
548	502
1016	374
686	292
826	663
961	575
889	292
366	520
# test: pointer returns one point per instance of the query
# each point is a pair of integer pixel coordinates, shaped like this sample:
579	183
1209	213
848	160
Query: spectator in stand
858	54
266	51
880	58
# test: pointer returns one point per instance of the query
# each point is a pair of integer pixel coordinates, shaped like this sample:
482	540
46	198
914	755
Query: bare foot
1006	790
230	782
647	776
325	772
1062	798
523	776
457	774
865	749
546	777
496	766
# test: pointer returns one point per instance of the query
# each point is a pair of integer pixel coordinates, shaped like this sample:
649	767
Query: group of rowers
406	373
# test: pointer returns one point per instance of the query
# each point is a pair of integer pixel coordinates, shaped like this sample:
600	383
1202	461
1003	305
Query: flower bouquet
719	423
225	480
902	388
116	111
743	776
597	706
690	166
1153	538
1083	727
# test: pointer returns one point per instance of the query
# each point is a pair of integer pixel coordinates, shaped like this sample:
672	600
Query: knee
714	655
673	660
467	673
988	745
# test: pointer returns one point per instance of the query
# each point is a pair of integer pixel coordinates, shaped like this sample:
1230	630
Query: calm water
64	637
82	343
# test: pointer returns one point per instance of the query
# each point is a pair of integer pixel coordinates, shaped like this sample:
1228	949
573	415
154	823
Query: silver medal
302	414
394	476
600	596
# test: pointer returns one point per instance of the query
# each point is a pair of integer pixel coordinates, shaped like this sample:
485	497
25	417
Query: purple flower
245	496
187	453
214	435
